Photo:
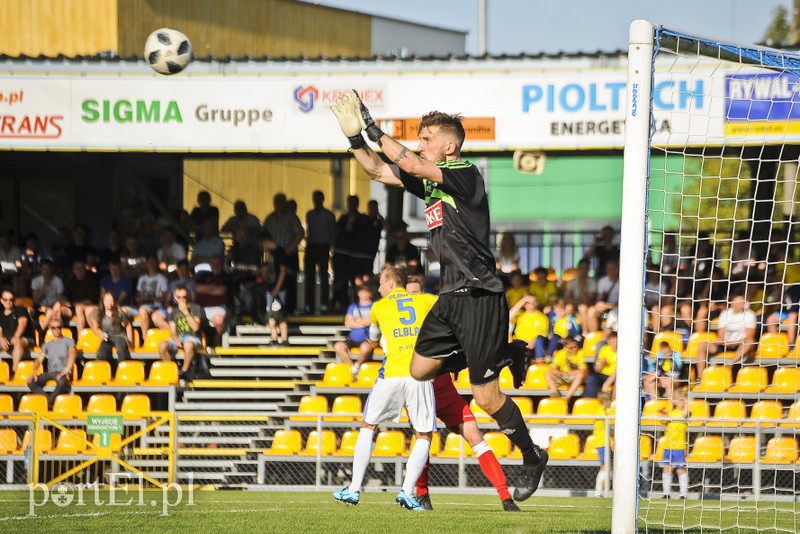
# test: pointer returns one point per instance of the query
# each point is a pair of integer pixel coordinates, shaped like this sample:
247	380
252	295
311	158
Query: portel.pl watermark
123	489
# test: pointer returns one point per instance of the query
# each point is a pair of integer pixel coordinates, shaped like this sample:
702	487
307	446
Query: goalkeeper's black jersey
457	215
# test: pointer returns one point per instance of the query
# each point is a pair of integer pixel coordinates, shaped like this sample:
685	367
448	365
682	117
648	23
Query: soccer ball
167	51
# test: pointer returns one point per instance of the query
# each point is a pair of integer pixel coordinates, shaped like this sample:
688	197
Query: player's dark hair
446	122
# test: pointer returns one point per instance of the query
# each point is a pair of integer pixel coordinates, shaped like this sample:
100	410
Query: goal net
710	288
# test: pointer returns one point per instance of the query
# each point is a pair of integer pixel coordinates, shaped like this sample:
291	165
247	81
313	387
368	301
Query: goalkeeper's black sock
510	421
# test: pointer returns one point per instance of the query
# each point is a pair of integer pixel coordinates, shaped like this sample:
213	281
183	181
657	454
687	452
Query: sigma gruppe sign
580	110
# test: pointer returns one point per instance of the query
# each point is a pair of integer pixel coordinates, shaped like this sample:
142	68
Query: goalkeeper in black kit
468	325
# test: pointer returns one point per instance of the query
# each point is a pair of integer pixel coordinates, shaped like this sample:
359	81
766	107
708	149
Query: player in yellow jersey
602	484
675	445
397	317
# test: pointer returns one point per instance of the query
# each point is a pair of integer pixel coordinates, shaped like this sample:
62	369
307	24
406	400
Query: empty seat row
69	441
98	373
742	449
70	406
770	345
749	379
726	413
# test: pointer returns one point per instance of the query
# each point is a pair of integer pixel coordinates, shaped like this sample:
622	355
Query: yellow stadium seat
675	340
33	403
114	442
6	404
66	406
645	447
135	406
781	450
727	410
88	342
698	411
66	332
506	379
499	443
162	374
742	450
44	440
316	404
390	443
585	407
5	372
564	447
590	449
452	444
101	403
337	375
345	408
773	345
286	443
95	373
480	414
695	340
715	378
534	379
152	339
347	446
750	380
367	375
707	449
71	441
129	373
793	417
25	369
766	412
436	444
548	406
462	380
591	341
328	442
655	408
785	380
525	405
8	441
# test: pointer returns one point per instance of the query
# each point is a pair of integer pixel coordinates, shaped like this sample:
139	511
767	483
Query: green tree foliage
779	30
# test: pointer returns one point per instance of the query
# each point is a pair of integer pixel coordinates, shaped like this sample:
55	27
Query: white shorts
389	395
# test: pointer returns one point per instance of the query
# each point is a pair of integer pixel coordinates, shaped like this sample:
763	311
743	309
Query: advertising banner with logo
579	110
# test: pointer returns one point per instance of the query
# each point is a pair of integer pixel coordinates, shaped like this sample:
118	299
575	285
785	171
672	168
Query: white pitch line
150	511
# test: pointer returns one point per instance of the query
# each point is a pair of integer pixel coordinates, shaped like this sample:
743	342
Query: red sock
494	472
422	481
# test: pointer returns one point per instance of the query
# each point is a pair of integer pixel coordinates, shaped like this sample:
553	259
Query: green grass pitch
296	513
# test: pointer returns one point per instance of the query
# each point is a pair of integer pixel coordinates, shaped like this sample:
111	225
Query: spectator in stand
204	212
287	231
602	251
357	320
545	291
183	278
581	292
507	258
170	252
790	306
530	325
274	276
48	293
112	324
675	446
80	249
138	220
567	368
662	369
367	240
31	261
10	259
61	356
184	327
120	286
607	295
321	225
132	260
175	217
82	293
242	219
16	328
346	227
213	295
402	253
152	296
208	245
604	372
244	259
113	250
736	333
517	289
563	324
